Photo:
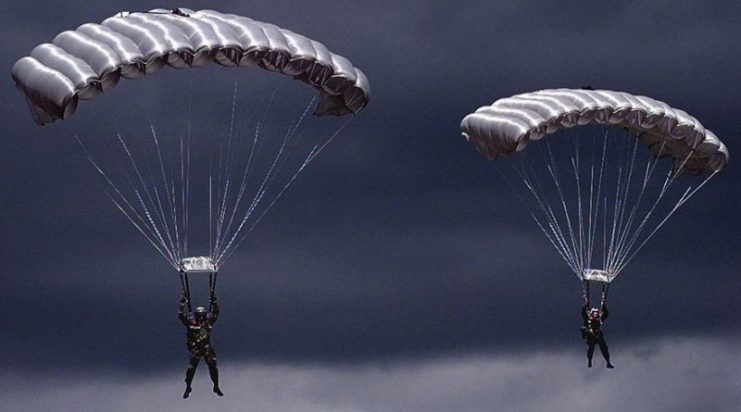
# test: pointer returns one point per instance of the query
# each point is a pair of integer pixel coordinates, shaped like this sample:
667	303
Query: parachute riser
186	288
185	284
586	292
200	264
212	282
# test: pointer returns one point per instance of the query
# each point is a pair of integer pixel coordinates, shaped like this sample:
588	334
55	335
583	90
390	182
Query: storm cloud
399	273
702	370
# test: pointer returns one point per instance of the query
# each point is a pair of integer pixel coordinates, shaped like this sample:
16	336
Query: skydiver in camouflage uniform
591	332
199	324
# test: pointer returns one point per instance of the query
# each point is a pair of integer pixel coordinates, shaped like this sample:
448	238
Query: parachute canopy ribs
597	195
80	64
509	124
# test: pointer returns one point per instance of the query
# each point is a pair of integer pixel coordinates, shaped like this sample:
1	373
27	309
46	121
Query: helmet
200	312
592	312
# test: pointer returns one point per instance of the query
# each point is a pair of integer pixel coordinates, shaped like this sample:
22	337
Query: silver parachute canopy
82	63
509	124
597	199
169	185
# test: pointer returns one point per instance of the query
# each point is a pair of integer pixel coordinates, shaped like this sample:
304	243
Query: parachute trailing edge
509	124
81	64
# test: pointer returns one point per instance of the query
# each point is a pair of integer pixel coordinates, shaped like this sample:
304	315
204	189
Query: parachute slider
596	275
198	264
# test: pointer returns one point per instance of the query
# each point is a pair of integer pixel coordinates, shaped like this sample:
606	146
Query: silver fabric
597	275
198	264
81	64
50	94
509	124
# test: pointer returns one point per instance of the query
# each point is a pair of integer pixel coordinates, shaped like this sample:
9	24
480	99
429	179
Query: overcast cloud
398	274
674	374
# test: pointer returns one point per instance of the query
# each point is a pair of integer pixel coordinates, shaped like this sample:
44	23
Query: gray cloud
672	373
399	244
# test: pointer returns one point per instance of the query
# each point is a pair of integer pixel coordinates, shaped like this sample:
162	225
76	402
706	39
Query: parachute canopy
168	184
597	195
81	64
509	124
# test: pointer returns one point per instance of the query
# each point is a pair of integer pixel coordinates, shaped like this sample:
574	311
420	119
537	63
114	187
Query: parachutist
591	332
200	323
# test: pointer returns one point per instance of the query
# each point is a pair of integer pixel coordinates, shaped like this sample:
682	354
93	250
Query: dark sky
399	273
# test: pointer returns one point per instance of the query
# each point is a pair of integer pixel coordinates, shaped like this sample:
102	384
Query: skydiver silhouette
591	331
200	323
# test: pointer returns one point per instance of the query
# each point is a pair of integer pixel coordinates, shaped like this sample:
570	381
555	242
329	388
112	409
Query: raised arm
584	314
604	313
213	312
182	311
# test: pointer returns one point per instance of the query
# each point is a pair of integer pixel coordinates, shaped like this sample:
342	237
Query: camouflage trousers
208	354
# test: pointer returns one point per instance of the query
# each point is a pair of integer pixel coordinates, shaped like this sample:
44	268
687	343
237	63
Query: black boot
213	371
189	374
187	392
610	366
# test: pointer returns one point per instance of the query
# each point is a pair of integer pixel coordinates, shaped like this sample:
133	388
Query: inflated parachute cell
508	125
81	64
